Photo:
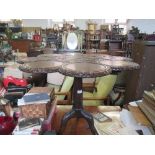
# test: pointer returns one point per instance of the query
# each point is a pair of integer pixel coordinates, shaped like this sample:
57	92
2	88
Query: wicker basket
35	110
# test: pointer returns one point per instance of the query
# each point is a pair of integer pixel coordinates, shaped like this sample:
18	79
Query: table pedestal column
77	109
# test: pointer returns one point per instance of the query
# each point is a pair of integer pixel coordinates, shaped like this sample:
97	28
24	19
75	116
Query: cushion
105	85
90	102
66	87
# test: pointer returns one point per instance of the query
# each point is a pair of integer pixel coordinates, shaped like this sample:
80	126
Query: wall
82	23
43	23
144	25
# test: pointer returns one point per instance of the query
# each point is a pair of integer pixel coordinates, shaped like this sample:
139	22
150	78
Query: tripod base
78	113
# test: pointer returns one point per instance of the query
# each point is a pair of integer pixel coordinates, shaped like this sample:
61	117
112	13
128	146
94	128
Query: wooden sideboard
143	79
23	45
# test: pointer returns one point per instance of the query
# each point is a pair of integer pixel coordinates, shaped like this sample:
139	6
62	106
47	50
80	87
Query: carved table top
120	65
40	67
84	69
80	65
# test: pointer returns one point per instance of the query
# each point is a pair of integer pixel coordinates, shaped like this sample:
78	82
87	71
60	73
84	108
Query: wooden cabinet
143	79
114	45
21	44
92	40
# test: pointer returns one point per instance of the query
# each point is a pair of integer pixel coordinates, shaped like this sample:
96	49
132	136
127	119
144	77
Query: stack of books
34	98
148	105
37	95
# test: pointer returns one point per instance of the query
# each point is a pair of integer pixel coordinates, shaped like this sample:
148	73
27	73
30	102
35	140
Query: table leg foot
79	113
90	121
64	121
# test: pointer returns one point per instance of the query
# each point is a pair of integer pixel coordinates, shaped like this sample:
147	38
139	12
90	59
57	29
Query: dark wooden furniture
92	40
118	66
77	126
41	67
144	79
22	45
78	66
114	45
79	71
33	52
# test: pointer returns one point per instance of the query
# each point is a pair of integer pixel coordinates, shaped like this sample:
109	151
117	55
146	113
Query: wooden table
78	66
78	71
77	126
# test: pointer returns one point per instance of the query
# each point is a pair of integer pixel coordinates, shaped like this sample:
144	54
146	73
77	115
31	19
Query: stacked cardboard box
148	105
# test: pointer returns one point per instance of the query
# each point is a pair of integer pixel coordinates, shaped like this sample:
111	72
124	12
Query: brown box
38	110
35	110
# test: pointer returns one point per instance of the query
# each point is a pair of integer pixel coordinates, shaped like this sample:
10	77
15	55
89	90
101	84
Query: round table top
116	58
48	63
84	70
62	56
26	60
120	65
36	49
48	55
40	67
72	57
42	57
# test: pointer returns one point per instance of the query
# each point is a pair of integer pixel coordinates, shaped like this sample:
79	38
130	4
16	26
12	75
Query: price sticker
79	92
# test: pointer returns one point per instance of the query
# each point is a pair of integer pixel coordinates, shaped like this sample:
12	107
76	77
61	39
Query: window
5	20
109	21
123	21
57	20
124	28
69	20
60	25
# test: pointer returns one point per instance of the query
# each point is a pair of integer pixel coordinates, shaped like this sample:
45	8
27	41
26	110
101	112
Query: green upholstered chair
66	86
64	92
103	87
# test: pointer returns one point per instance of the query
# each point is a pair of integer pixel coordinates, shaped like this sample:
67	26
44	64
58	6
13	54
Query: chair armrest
62	93
94	98
88	85
62	102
